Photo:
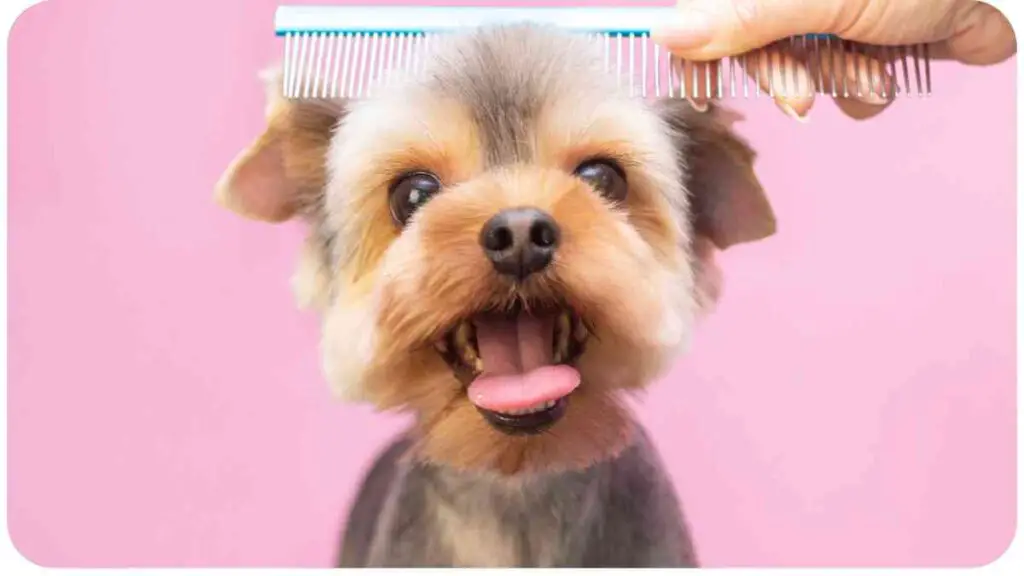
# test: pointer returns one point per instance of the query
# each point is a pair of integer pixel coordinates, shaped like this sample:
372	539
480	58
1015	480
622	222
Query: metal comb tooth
843	64
878	74
889	64
644	67
422	44
286	65
694	79
732	77
906	70
793	71
785	72
745	74
657	71
359	64
720	87
314	52
618	59
632	64
321	48
297	70
348	84
372	74
346	68
331	82
706	66
671	75
757	72
927	69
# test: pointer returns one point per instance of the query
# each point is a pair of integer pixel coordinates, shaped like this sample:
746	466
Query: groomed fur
502	116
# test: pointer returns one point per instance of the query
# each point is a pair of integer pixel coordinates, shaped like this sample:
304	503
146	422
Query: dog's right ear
283	172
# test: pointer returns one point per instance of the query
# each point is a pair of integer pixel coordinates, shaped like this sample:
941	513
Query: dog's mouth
518	366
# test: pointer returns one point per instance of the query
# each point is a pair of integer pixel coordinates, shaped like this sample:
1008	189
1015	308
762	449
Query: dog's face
504	243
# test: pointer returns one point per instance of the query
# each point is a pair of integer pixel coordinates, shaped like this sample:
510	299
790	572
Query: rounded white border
14	564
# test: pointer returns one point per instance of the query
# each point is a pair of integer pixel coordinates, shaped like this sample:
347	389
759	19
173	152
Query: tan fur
502	125
480	542
290	156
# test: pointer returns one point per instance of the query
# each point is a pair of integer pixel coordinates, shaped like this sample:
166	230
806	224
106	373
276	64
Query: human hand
966	31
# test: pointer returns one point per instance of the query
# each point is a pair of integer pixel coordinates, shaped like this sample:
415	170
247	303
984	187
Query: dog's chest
476	522
540	524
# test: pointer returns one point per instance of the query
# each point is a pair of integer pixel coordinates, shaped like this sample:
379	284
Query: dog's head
504	243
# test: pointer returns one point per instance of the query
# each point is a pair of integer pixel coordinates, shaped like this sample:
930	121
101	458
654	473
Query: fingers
982	36
711	29
783	76
864	81
861	80
700	82
860	73
775	72
859	110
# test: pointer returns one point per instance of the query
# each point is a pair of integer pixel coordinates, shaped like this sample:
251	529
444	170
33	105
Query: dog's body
503	245
621	512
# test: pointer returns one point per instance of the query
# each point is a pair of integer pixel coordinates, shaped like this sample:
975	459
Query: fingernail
871	98
792	113
868	92
698	105
693	30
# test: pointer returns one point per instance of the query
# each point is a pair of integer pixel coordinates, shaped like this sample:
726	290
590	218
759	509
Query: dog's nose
520	241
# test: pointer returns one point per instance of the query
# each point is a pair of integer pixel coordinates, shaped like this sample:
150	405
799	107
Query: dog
504	245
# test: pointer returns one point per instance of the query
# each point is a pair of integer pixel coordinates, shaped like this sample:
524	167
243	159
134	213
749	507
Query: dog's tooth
462	345
478	364
441	346
579	331
563	330
462	335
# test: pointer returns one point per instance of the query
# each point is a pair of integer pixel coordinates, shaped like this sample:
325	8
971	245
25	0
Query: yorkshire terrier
503	246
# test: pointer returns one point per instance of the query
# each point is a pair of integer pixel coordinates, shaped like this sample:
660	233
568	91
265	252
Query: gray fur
622	512
619	513
504	75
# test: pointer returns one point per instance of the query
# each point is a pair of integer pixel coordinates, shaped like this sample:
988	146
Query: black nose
520	241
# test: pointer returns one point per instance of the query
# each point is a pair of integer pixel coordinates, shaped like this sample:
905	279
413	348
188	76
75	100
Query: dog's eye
605	176
410	192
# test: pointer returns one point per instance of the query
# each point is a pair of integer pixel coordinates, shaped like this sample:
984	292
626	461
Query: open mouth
518	365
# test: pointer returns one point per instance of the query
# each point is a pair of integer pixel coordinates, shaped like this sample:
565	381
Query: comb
349	51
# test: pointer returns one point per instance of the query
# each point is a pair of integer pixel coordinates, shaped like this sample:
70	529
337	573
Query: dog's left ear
728	206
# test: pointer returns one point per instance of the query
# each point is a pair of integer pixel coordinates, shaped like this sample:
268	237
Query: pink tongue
518	370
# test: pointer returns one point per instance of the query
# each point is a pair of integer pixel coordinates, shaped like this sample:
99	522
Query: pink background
852	402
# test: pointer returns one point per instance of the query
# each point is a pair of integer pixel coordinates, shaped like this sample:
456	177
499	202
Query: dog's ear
282	173
728	206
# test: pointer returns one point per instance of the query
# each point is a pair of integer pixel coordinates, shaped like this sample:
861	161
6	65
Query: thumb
712	29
